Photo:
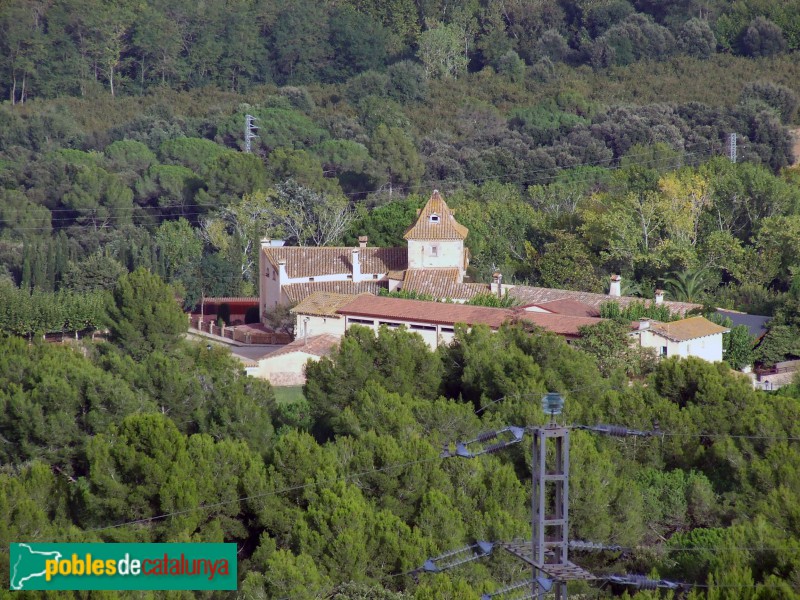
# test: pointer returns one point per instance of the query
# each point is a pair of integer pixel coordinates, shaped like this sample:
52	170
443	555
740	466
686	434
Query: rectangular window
423	328
311	279
663	350
435	250
361	321
389	324
448	330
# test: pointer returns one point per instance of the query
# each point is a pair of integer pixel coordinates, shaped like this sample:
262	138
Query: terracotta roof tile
529	295
297	292
687	329
566	325
322	304
441	283
442	313
444	228
425	312
306	261
568	306
318	345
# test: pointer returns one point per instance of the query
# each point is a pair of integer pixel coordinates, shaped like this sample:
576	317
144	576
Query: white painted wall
285	369
433	335
425	254
313	325
708	348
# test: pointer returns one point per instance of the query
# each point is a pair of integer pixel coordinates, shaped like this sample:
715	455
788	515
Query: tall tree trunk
111	80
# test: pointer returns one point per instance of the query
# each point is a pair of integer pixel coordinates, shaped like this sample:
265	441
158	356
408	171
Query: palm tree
687	286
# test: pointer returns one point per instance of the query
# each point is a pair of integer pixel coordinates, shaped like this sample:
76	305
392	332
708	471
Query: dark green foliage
762	38
637	310
609	342
778	97
493	300
398	361
143	315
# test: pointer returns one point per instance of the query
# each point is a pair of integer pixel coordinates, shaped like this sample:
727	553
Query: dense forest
574	138
341	494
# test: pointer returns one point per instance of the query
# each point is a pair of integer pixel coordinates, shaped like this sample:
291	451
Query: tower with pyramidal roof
436	239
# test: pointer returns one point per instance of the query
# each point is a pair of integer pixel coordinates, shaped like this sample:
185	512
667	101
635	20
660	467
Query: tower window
435	250
434	218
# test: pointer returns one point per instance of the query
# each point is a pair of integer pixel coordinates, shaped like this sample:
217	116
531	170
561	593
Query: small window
435	250
434	218
311	279
375	276
349	276
663	350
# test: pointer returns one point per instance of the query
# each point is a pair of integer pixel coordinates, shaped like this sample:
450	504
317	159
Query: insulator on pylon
487	435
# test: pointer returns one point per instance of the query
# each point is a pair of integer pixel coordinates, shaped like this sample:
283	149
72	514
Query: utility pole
732	147
249	135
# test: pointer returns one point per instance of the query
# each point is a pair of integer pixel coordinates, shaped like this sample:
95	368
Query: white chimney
659	296
356	266
644	324
497	283
362	241
283	276
616	286
270	243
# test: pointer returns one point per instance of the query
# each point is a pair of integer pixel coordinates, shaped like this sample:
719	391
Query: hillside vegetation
147	438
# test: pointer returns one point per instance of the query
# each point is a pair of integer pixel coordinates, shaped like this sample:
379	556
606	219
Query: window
375	276
434	218
435	250
311	279
361	321
423	328
447	330
663	350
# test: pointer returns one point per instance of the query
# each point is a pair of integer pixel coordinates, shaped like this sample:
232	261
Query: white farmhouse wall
708	348
285	369
427	254
315	325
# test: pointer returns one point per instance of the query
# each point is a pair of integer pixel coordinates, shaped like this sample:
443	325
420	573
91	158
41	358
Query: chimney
356	266
644	324
270	243
283	276
616	286
659	296
362	241
497	283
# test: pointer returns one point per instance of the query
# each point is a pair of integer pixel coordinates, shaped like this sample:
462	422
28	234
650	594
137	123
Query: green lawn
288	394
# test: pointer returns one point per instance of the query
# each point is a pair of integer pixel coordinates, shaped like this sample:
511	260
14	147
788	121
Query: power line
355	194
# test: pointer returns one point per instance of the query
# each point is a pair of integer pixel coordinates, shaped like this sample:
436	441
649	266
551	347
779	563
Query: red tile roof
425	312
441	283
529	295
442	313
317	345
306	261
568	306
444	228
297	292
566	325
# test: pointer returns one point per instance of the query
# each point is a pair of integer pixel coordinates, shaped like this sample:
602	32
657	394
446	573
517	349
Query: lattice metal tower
249	135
